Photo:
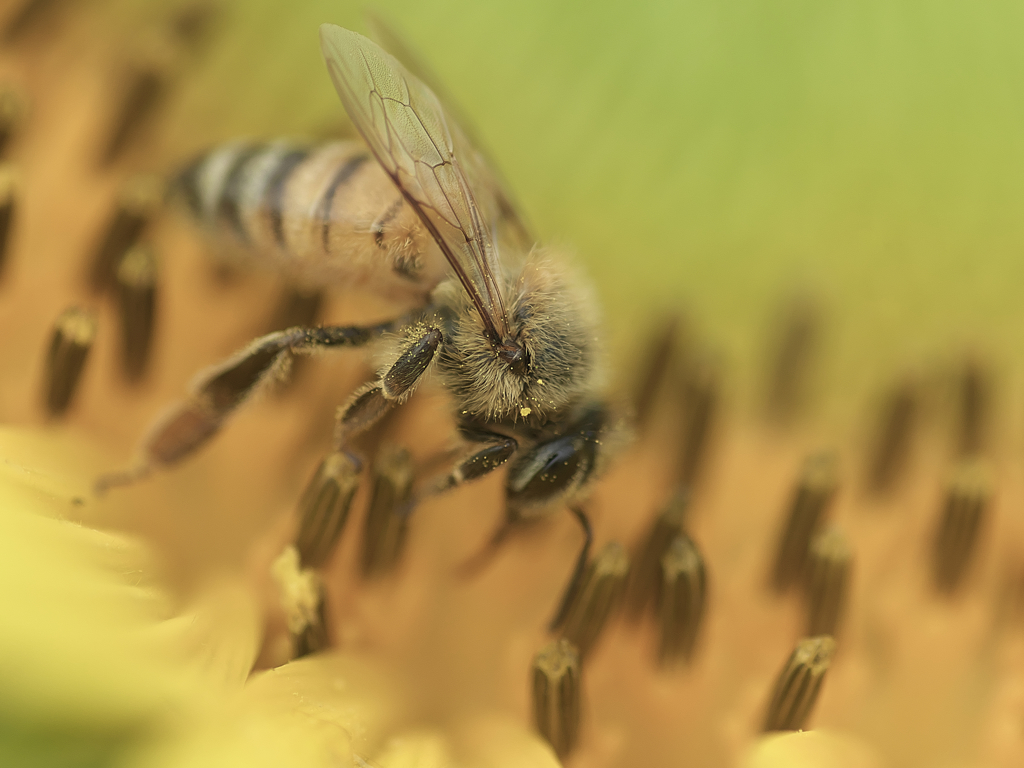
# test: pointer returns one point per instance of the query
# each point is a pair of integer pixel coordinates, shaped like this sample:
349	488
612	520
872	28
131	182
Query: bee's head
548	360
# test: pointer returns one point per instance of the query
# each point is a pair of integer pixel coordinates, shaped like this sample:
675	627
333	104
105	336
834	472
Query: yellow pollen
525	411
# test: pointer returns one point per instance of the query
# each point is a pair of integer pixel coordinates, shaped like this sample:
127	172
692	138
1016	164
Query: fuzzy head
551	317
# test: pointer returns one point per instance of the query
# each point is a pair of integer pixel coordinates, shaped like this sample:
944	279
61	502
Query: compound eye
547	471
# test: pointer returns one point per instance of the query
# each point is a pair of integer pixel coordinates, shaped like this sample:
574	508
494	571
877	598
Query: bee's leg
553	470
217	392
576	580
372	401
498	450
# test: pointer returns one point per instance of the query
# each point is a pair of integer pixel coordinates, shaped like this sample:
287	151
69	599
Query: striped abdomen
326	214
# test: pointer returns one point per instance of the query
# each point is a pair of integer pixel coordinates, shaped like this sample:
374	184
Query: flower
793	159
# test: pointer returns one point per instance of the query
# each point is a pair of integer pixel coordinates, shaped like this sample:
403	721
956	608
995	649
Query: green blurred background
718	156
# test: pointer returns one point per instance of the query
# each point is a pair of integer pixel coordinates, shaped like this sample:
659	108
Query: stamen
645	578
8	194
975	397
141	92
556	695
597	598
961	519
813	495
701	397
387	518
796	690
302	599
681	601
314	637
192	24
324	506
655	367
893	442
73	335
12	112
795	347
28	15
828	582
136	291
137	202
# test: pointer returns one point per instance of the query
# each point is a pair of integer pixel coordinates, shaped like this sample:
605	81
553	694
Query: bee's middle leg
366	407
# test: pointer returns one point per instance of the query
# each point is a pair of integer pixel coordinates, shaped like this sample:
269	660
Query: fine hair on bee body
507	330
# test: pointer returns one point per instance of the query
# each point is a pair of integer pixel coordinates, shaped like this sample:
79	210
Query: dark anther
794	350
324	506
798	685
975	404
136	204
811	499
136	289
645	578
556	695
140	95
8	202
893	440
12	111
387	519
681	600
828	582
597	597
959	525
73	335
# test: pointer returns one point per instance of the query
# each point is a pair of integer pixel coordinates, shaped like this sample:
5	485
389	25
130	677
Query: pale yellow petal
810	749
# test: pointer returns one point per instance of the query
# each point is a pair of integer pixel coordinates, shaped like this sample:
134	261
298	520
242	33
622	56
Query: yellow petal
810	749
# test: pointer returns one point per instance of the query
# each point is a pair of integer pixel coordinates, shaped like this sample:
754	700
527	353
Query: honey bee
414	212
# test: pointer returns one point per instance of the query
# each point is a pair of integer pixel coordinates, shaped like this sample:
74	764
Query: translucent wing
491	188
405	127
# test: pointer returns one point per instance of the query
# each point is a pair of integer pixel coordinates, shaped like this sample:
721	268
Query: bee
416	213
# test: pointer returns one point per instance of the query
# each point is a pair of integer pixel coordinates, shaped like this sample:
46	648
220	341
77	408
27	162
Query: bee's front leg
371	402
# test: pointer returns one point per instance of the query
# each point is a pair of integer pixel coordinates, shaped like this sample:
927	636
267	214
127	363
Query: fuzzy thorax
550	315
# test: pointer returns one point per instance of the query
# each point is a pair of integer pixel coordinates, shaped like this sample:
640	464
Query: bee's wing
492	189
405	127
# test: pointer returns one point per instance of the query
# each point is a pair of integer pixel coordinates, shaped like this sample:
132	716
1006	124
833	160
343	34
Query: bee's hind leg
218	391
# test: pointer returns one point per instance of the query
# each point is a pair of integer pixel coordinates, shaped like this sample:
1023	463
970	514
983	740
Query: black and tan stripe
345	173
241	177
380	225
203	180
274	192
